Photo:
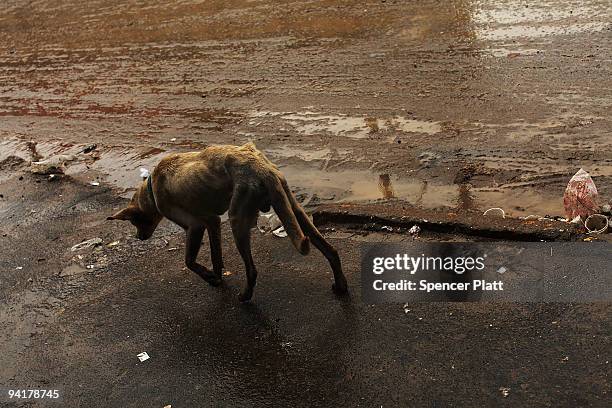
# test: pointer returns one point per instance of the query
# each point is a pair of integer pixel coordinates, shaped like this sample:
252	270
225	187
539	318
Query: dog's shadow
265	356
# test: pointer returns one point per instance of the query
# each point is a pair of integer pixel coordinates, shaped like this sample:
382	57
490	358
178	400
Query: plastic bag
581	197
270	222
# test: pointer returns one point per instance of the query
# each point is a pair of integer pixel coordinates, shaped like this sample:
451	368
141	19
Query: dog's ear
125	214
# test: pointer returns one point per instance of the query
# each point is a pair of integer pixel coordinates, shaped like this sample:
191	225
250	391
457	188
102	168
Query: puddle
515	19
365	186
503	52
505	33
356	127
120	167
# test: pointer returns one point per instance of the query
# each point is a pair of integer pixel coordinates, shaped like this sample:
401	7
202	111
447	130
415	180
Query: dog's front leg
192	247
214	236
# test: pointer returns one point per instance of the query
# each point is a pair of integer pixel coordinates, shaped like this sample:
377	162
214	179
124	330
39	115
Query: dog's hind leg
192	247
214	237
340	286
243	214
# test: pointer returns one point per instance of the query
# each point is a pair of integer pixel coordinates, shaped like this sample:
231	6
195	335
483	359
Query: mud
452	107
516	91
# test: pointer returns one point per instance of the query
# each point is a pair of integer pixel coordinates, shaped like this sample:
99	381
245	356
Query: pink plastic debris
581	197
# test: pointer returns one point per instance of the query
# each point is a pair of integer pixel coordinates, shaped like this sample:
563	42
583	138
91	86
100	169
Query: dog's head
145	221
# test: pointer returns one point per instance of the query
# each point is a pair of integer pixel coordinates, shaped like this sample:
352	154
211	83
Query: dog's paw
340	288
211	278
245	296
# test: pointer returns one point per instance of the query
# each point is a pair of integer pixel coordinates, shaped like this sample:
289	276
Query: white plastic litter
269	222
95	183
143	356
580	197
494	210
52	165
415	229
86	244
576	220
596	224
144	173
280	232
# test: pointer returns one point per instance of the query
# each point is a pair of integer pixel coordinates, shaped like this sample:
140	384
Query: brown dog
194	189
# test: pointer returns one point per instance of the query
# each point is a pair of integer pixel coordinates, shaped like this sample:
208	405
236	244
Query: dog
193	189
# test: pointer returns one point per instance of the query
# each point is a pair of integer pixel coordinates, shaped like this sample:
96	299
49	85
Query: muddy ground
463	105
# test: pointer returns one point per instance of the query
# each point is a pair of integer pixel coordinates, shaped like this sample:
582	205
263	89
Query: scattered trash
502	269
89	148
505	391
46	167
112	244
280	232
270	222
19	268
580	198
500	211
606	209
596	224
386	228
565	358
227	273
95	183
143	356
173	139
144	173
168	406
53	177
576	220
52	165
172	249
86	244
415	229
91	266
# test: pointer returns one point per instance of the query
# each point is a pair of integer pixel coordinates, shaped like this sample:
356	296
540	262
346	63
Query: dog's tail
283	208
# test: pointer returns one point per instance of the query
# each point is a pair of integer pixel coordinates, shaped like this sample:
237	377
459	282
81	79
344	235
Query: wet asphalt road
510	96
296	344
463	104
